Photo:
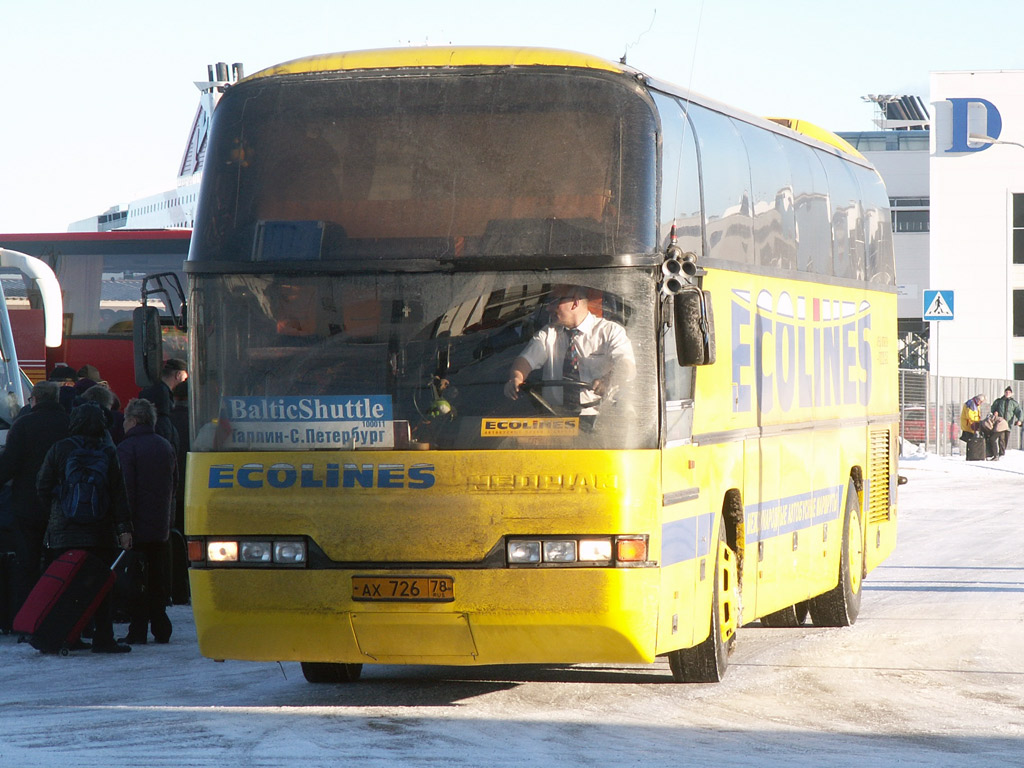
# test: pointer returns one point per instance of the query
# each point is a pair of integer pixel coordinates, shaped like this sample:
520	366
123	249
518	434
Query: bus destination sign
342	422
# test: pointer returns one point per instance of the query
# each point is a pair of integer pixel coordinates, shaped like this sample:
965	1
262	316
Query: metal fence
930	408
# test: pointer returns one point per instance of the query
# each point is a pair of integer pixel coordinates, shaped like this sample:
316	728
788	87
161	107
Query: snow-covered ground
931	675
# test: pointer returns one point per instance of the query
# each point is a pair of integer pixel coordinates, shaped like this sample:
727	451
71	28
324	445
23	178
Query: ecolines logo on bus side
282	475
799	352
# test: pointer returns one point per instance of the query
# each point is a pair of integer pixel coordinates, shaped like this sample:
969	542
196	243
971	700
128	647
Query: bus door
760	495
685	508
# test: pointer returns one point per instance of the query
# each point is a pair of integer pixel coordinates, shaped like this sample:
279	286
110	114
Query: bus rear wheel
707	662
787	618
840	606
324	672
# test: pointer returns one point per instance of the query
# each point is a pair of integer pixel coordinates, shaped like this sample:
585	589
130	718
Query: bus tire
324	672
802	611
788	618
707	662
840	606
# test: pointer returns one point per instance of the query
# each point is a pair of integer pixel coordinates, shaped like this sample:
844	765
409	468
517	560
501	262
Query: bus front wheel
840	606
707	662
323	672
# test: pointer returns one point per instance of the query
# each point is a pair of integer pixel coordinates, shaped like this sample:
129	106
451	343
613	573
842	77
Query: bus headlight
622	551
524	551
560	551
255	552
595	550
290	552
222	551
259	552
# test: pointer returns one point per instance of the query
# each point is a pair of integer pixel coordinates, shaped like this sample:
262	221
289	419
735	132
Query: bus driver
576	346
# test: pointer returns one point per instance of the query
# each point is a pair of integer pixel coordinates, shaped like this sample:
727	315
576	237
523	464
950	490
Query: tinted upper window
473	163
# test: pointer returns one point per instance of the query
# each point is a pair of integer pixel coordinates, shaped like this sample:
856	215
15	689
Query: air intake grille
879	446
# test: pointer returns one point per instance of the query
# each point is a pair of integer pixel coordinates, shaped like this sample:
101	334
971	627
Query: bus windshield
400	166
433	351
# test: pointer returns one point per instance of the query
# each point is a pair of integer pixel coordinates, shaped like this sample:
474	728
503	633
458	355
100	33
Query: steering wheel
533	389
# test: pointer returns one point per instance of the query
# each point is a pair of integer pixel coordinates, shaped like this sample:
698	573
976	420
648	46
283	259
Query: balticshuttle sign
308	423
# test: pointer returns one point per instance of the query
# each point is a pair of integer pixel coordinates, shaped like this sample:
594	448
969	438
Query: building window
1018	313
1018	229
1018	371
910	214
910	221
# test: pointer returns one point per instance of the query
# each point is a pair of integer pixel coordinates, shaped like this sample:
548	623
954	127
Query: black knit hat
62	372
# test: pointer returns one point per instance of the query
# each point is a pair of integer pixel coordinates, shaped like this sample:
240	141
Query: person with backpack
80	482
149	463
105	398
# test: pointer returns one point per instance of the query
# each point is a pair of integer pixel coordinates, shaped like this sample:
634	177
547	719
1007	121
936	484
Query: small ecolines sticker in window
557	427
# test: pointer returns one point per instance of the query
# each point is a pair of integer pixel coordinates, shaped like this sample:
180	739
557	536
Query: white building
958	219
977	229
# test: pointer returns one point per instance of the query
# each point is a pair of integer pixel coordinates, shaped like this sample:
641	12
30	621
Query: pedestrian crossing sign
938	305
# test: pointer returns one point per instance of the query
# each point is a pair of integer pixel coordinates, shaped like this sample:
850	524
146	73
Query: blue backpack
83	492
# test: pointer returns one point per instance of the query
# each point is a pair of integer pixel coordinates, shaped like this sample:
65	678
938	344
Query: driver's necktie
571	368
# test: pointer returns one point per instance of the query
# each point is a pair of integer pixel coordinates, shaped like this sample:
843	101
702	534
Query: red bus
100	275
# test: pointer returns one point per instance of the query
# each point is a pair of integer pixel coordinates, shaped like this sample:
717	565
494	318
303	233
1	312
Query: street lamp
982	139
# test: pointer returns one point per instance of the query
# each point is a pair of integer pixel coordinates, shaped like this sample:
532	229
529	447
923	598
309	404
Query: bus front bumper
497	616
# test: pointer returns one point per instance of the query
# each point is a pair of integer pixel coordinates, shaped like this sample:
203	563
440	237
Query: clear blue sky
97	98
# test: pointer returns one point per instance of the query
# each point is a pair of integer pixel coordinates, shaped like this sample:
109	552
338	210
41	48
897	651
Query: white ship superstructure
174	208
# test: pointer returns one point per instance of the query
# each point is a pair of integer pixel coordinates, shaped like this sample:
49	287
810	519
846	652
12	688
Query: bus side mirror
694	324
148	343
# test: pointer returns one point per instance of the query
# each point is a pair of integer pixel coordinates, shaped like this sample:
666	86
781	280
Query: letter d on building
961	121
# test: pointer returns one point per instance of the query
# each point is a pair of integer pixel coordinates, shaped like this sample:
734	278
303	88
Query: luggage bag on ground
63	600
976	448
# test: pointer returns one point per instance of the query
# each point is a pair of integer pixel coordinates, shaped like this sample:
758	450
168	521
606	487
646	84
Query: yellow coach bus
521	356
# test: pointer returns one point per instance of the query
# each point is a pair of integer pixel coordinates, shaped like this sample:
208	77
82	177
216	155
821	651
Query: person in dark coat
179	417
66	377
149	463
179	560
28	440
107	400
173	372
101	536
88	377
1009	409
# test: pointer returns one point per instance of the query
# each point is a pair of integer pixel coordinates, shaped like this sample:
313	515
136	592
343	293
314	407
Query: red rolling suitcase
63	600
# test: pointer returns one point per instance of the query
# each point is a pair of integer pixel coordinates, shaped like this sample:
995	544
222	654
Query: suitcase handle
118	560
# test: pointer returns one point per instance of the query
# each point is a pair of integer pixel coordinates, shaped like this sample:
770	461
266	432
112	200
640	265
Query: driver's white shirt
602	344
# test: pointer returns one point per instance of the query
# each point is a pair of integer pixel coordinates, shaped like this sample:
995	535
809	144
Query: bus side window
725	170
680	204
678	384
772	199
848	254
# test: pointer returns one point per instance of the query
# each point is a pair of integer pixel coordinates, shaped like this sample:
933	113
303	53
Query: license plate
412	589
